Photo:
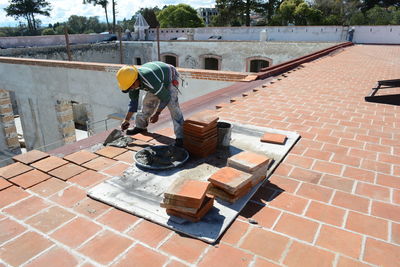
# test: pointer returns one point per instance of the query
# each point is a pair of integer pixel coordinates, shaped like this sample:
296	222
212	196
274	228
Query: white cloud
62	10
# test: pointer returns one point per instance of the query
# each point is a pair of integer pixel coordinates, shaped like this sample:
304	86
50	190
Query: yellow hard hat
126	76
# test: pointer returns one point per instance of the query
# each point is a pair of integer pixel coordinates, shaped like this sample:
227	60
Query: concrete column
65	119
9	144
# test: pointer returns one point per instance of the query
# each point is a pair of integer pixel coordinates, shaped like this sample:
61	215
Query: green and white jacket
155	77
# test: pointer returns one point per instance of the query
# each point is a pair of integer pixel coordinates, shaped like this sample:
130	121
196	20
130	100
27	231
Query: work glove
124	125
154	118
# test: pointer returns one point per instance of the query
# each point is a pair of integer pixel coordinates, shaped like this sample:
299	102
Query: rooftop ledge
191	73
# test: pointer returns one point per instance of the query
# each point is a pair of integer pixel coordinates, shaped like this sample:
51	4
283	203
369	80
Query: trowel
114	135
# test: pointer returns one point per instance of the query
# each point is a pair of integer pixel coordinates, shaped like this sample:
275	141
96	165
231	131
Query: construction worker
160	81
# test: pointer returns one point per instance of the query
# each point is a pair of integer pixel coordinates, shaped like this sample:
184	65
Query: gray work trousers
150	104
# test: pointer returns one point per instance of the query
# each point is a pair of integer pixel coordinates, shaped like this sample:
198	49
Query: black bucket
224	134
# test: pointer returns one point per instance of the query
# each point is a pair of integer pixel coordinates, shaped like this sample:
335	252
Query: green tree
77	24
27	9
378	16
396	17
94	25
236	12
103	4
298	12
337	12
358	18
48	31
182	15
127	23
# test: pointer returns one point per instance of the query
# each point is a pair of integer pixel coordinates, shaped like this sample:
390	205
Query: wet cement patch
140	191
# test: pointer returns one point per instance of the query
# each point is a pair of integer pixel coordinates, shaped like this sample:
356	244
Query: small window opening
210	63
257	64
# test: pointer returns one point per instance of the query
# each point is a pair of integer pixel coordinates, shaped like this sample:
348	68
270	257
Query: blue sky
63	9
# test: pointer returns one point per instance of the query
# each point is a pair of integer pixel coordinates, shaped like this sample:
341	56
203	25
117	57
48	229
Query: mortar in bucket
224	134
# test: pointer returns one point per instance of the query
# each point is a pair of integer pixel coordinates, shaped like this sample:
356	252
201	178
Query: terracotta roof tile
49	163
13	170
81	157
31	156
273	138
30	178
67	171
99	163
110	151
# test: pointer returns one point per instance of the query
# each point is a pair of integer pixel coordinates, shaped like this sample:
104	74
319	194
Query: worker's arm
160	108
133	107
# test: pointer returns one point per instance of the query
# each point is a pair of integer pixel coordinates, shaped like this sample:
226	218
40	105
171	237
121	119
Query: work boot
179	142
135	130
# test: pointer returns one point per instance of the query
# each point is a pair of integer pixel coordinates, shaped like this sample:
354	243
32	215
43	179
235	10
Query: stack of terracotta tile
201	134
230	184
252	163
187	199
244	171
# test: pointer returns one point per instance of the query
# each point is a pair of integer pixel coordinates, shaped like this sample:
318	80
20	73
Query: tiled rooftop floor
334	201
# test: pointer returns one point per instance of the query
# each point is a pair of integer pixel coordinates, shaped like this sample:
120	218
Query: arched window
255	64
170	59
211	62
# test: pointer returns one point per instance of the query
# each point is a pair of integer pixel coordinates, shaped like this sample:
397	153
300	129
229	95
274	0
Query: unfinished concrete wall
9	144
44	90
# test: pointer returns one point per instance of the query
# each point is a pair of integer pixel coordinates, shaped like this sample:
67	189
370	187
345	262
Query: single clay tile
30	178
248	161
49	163
31	156
110	151
204	209
145	137
229	179
99	163
67	171
274	138
169	132
187	190
81	157
13	170
205	117
4	184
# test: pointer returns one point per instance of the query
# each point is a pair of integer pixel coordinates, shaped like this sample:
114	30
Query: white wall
363	34
377	34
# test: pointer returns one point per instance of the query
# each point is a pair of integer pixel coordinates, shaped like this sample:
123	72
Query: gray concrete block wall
9	144
65	119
